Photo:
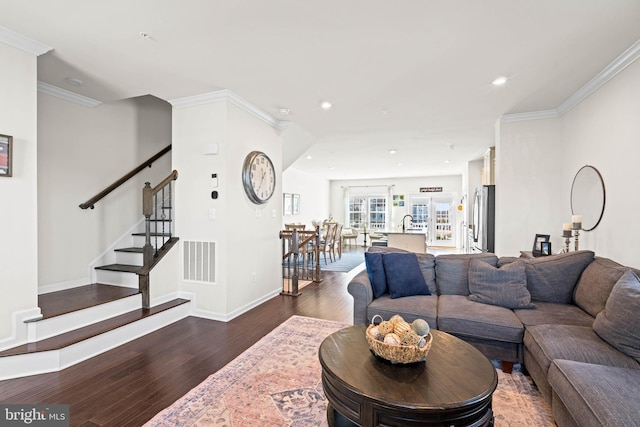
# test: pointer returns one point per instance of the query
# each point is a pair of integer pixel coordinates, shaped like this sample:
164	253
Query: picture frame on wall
286	203
537	244
296	204
6	155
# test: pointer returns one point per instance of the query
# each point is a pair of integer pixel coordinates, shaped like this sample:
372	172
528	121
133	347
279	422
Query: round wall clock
258	177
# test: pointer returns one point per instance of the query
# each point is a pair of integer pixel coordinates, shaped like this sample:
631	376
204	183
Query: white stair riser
52	361
132	258
118	278
67	322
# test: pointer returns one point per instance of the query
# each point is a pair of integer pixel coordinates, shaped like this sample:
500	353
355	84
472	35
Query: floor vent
199	259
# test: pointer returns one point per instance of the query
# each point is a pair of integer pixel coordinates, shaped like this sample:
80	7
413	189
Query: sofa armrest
360	288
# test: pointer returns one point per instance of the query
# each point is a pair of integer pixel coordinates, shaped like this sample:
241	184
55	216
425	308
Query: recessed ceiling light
499	81
326	105
285	111
393	151
398	164
447	161
73	81
309	157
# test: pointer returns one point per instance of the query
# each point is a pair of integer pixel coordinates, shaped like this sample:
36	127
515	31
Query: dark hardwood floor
128	385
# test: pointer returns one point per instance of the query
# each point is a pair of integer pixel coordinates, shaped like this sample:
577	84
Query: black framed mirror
588	196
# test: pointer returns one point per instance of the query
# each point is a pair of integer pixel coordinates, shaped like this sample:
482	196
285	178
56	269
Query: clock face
258	177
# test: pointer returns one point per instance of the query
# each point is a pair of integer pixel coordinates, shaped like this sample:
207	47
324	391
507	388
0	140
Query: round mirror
588	197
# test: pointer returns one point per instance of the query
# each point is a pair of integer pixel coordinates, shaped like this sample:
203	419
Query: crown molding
23	42
610	71
67	95
230	96
531	115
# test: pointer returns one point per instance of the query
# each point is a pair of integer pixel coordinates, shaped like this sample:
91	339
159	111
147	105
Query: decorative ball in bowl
399	341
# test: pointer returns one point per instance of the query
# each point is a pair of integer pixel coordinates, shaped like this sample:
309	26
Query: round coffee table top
454	376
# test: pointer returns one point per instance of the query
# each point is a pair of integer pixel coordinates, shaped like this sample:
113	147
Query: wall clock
258	177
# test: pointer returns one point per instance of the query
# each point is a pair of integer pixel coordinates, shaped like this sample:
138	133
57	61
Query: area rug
344	264
276	382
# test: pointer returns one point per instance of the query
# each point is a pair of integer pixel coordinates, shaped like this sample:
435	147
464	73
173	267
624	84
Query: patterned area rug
276	382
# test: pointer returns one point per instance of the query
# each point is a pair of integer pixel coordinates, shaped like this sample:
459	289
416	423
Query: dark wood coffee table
452	388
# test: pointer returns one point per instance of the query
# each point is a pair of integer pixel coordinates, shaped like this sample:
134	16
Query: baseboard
225	317
19	329
61	286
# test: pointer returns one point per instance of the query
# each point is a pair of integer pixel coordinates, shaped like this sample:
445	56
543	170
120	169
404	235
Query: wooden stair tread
131	250
73	337
126	268
74	299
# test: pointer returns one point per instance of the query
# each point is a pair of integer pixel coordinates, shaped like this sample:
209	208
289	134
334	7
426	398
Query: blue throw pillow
375	270
404	277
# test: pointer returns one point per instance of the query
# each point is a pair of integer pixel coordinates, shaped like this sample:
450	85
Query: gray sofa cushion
552	313
428	268
459	316
410	308
553	278
504	287
619	322
452	272
546	343
595	284
597	395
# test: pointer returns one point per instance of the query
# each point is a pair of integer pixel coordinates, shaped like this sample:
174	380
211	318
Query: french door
434	214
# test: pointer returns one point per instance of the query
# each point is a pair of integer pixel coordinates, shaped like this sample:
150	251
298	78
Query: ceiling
409	75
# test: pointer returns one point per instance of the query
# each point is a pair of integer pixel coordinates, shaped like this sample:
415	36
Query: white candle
576	219
566	226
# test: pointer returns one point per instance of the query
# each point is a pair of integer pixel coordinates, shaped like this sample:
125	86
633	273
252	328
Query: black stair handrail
95	199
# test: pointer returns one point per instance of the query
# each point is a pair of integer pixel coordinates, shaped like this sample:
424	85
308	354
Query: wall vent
199	261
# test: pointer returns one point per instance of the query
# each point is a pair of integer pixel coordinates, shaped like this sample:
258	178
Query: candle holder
577	226
567	239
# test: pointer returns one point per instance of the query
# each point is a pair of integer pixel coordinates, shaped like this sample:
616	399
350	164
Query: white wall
529	190
245	234
314	196
81	151
604	131
18	194
537	160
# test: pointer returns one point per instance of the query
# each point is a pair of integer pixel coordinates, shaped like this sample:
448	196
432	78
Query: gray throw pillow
427	264
619	323
505	286
452	271
553	278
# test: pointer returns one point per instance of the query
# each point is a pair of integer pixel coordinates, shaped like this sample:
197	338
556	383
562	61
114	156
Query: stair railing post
295	249
317	255
147	211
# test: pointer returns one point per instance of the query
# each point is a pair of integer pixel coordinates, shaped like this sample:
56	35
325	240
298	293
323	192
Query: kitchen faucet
403	218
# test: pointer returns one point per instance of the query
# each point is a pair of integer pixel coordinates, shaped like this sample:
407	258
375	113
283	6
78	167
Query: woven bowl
396	353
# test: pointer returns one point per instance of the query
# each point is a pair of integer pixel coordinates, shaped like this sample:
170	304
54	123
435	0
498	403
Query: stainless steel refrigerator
483	219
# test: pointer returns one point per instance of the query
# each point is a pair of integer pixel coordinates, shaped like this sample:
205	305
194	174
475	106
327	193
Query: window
368	211
357	211
377	213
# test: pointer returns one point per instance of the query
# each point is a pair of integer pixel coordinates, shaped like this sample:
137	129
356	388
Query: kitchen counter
410	240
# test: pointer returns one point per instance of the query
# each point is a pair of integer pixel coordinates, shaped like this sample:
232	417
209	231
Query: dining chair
326	244
337	241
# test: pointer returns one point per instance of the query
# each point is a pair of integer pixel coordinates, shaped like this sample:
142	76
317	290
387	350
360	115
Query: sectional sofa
572	320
